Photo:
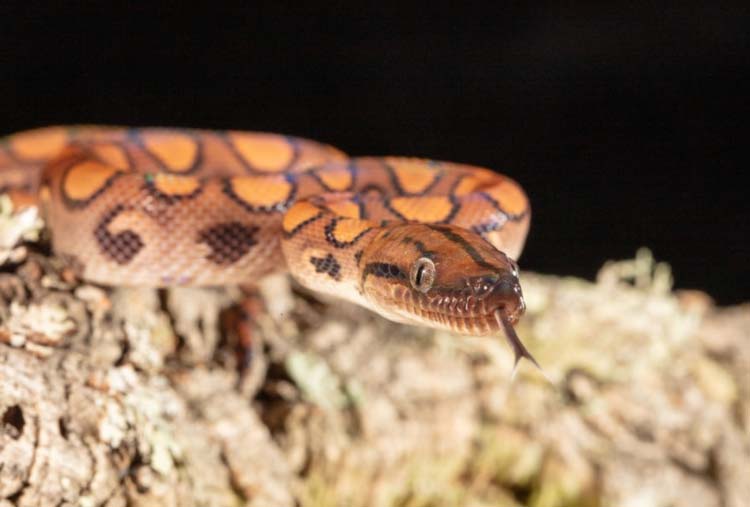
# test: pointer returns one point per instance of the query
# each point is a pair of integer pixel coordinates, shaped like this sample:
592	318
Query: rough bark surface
133	397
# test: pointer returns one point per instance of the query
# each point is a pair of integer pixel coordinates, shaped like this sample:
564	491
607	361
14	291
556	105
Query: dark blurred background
627	124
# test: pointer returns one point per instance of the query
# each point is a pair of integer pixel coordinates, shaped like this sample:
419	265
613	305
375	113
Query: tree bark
134	397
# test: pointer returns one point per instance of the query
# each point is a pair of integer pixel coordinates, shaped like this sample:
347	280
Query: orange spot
348	229
298	214
509	196
262	191
175	150
171	184
414	175
313	154
85	179
344	208
111	154
467	185
264	152
477	179
423	209
336	178
39	144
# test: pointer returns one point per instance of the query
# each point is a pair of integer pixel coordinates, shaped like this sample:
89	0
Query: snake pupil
420	271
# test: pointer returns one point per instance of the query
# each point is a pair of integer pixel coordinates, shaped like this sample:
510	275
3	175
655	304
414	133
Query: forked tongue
519	350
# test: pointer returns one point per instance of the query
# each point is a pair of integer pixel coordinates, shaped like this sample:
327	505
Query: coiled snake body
418	241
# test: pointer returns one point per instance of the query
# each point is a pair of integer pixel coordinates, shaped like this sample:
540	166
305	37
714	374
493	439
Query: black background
627	124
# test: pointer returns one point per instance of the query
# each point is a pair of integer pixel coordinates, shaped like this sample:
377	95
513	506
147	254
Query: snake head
442	276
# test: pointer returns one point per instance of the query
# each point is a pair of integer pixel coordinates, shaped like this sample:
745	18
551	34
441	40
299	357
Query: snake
418	241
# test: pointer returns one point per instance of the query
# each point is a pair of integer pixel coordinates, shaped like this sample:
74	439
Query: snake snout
502	292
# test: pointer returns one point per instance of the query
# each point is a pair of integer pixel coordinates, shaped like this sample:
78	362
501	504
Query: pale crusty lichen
132	398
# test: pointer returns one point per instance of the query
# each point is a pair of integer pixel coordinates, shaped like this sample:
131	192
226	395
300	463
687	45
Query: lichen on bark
133	397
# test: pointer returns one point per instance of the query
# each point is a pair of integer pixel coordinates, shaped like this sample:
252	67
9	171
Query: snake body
418	241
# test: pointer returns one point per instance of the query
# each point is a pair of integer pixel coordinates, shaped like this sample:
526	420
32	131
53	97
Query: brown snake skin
418	241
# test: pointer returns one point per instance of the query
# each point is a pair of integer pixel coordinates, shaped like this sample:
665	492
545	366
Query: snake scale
417	241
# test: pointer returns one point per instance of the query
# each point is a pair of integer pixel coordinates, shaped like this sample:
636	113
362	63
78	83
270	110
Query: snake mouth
465	315
456	312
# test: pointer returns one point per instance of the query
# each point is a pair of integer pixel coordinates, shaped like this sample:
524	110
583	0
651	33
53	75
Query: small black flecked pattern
328	264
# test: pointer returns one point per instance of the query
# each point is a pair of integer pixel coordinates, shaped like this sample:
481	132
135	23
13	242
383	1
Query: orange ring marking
177	185
299	214
348	229
262	191
39	145
112	154
466	185
84	180
336	179
509	196
175	150
414	176
344	208
264	152
423	209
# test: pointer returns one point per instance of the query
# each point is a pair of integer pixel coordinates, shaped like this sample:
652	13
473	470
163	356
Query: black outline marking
72	203
315	170
136	136
90	148
330	231
459	178
304	223
322	203
439	174
455	208
512	217
280	207
293	142
149	185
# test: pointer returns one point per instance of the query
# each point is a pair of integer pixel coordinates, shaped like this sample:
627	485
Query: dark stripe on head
408	240
383	270
465	245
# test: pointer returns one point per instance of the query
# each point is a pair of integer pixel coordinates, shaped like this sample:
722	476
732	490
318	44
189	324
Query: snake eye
423	274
